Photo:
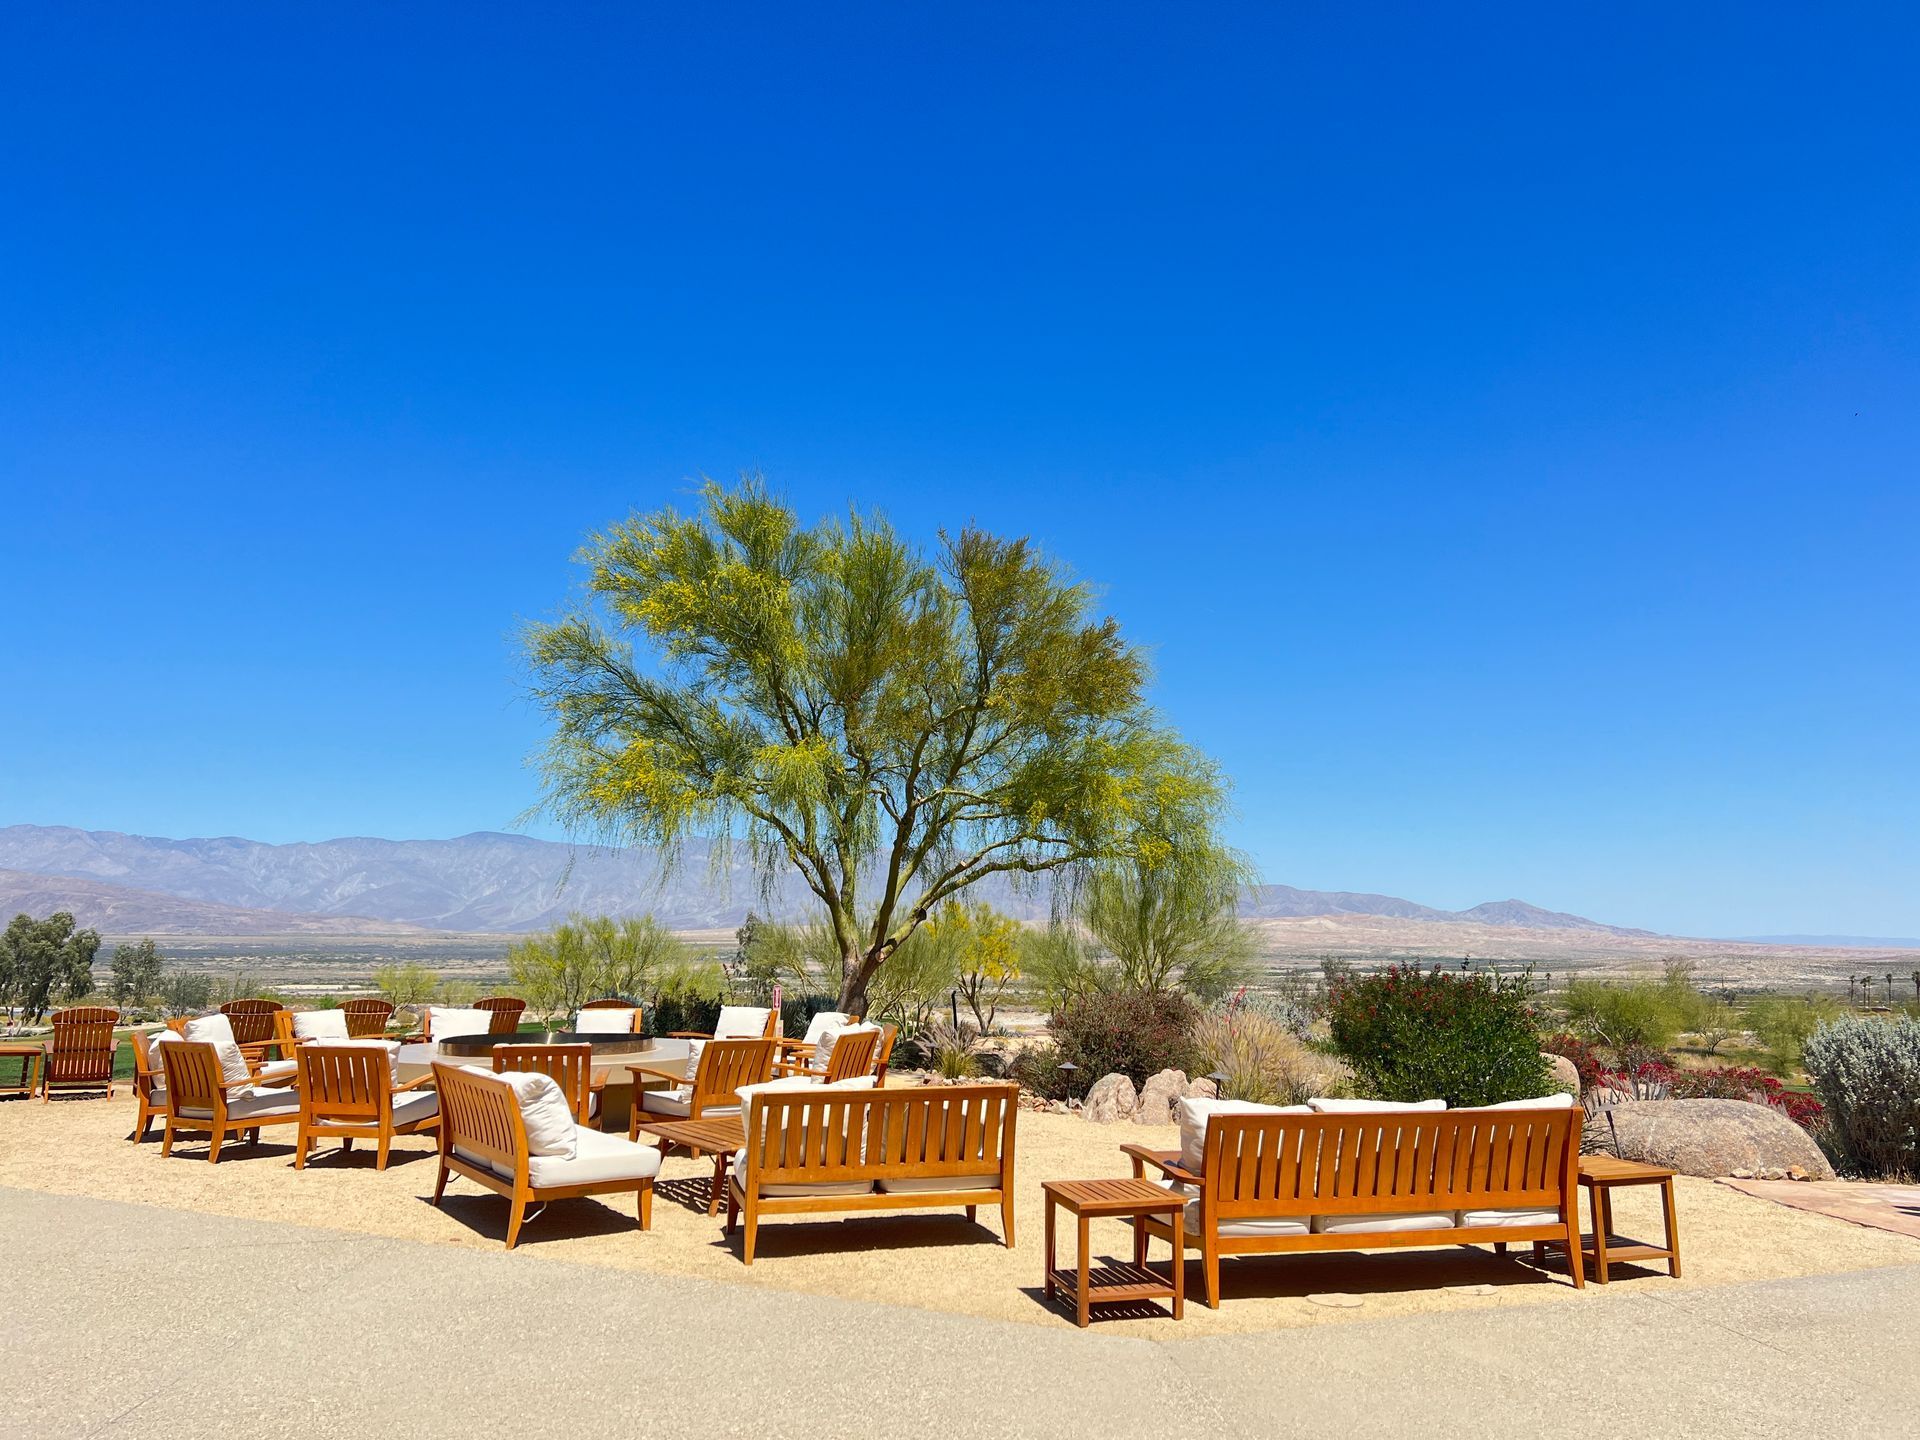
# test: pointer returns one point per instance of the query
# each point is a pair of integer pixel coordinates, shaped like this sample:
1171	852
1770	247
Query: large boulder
1711	1138
1565	1075
1111	1098
1157	1097
1202	1089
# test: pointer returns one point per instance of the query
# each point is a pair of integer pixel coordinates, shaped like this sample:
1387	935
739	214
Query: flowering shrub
1412	1034
1586	1057
1661	1080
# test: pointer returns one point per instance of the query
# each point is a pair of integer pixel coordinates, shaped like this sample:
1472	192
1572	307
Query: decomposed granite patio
926	1261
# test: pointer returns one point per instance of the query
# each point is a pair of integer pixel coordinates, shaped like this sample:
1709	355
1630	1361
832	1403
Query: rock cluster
1113	1098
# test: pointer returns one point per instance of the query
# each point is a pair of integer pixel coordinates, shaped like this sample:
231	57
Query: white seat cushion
249	1104
320	1024
680	1102
922	1184
1267	1225
413	1106
1322	1106
544	1112
1192	1117
825	1187
741	1022
445	1021
608	1021
596	1158
1349	1224
217	1031
277	1070
1469	1218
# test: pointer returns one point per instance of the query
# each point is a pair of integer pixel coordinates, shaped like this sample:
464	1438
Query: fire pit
606	1047
612	1054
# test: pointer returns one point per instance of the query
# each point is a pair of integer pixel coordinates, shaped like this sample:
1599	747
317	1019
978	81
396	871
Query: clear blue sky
1502	424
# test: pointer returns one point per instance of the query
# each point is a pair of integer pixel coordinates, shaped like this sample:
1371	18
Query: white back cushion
603	1022
1322	1106
695	1048
823	1047
217	1031
320	1024
444	1021
741	1022
1559	1100
1192	1115
822	1022
545	1113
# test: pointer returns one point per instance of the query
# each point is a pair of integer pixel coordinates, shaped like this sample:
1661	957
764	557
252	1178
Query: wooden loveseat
813	1151
1280	1183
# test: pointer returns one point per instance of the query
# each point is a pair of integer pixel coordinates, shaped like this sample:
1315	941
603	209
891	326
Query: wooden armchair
570	1065
796	1053
149	1083
367	1017
484	1136
851	1056
252	1020
81	1054
201	1100
347	1093
883	1053
713	1088
506	1011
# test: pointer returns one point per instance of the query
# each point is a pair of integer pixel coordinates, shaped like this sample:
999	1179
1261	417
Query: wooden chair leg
213	1145
380	1153
972	1212
166	1138
1006	1218
301	1144
1210	1268
1673	1228
1576	1262
646	1206
440	1184
514	1220
750	1232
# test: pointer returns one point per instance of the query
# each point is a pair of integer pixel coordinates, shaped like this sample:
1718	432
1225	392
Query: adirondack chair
607	1017
252	1020
506	1011
367	1017
81	1054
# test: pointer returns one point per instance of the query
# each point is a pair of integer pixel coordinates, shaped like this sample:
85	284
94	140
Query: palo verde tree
894	725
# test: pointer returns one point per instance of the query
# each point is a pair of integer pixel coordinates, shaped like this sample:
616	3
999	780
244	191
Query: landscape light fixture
1219	1078
1068	1070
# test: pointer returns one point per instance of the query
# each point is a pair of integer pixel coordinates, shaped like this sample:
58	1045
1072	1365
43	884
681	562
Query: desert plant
1169	921
1868	1073
1783	1024
1135	1033
1620	1013
1412	1034
1586	1057
1257	1047
593	956
950	1050
1039	1068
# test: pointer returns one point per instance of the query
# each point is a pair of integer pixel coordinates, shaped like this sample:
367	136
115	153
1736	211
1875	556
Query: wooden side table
1135	1200
1599	1176
33	1066
719	1136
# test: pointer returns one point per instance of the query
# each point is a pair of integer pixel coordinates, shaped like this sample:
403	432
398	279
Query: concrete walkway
127	1320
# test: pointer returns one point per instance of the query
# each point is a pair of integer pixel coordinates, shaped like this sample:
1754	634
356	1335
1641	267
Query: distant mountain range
489	882
1837	942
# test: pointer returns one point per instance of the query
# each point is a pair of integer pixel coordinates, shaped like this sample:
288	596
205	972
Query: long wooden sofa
814	1151
1288	1183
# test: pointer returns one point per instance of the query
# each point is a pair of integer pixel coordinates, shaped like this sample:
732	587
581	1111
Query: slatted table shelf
1601	1247
1114	1283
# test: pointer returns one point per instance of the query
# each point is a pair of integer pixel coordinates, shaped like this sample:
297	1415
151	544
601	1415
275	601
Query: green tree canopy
592	958
42	959
136	973
893	725
1172	923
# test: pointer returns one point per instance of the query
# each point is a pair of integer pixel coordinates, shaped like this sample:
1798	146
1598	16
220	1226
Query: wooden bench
1284	1184
815	1151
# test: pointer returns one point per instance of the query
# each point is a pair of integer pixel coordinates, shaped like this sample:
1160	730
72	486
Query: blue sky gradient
1500	423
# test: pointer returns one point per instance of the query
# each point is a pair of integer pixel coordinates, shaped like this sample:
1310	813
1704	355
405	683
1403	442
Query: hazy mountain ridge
491	882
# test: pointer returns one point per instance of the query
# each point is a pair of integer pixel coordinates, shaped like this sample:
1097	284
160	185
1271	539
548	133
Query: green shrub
1783	1024
1868	1074
1467	1038
1623	1013
683	1012
1133	1032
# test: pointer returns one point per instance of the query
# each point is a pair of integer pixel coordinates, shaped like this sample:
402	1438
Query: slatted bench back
813	1136
478	1115
571	1067
83	1045
367	1017
1269	1166
252	1020
352	1084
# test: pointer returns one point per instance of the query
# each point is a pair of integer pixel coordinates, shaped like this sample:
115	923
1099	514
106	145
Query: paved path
123	1320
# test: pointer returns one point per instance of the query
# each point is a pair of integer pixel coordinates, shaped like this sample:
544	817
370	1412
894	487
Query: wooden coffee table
1599	1175
722	1136
1135	1200
33	1065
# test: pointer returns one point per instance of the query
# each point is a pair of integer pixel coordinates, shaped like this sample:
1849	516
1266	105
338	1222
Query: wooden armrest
639	1070
426	1079
688	1035
1166	1161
